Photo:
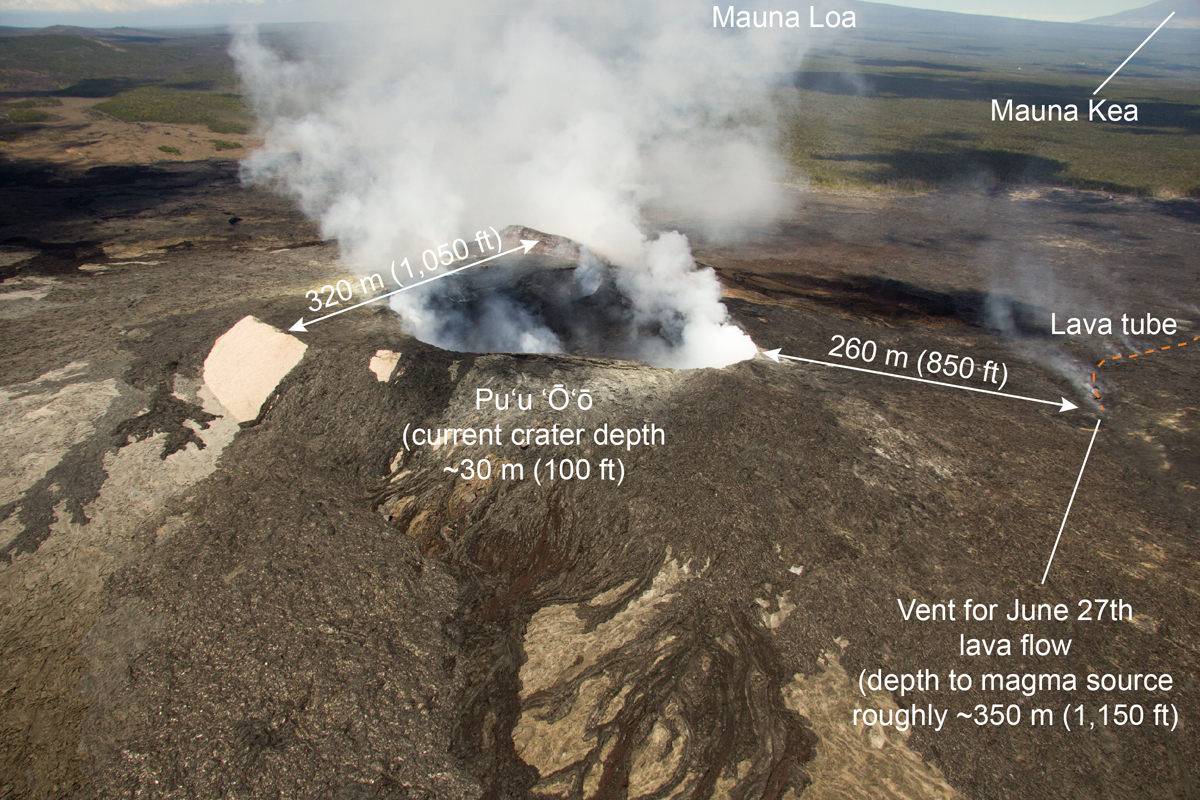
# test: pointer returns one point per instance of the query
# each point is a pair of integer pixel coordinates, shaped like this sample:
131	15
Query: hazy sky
105	13
1057	10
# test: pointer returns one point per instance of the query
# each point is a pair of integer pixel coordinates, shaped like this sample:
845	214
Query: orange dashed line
1134	355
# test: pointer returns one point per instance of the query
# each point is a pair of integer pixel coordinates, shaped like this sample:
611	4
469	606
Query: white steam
564	117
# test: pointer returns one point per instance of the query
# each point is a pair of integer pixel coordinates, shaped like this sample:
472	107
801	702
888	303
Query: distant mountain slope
112	34
1187	15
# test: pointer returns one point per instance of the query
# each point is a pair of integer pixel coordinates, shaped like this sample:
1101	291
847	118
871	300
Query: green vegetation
37	102
166	148
902	109
922	144
26	111
103	87
222	113
222	144
211	77
918	125
70	57
24	115
228	127
187	80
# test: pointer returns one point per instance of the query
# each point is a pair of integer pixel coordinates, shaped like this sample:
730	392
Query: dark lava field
304	604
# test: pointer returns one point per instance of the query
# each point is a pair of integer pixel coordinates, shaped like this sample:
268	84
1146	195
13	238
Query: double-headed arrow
302	327
1063	403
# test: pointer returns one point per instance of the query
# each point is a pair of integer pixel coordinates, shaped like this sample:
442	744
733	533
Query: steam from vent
404	134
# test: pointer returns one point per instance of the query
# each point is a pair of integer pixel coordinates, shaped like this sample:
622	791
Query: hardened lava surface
303	607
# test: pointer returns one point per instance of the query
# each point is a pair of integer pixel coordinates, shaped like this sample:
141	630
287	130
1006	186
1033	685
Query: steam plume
405	134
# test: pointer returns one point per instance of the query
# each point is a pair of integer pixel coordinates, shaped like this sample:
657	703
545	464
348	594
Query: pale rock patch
383	364
559	649
654	766
25	296
139	483
851	761
54	592
246	364
774	619
42	420
13	255
30	289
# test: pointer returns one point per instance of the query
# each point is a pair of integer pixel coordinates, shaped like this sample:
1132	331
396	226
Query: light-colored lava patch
52	595
247	363
853	761
42	419
558	649
383	364
25	296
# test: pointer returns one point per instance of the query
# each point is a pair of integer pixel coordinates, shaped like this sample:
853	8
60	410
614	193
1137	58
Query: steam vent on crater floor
888	490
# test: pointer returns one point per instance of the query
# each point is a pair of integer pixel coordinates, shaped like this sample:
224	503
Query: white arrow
1063	403
1071	502
1131	55
302	327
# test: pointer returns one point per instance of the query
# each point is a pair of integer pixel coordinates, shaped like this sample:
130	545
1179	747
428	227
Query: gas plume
566	117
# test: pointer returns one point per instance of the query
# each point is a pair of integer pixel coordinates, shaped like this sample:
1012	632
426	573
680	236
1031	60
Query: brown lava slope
320	614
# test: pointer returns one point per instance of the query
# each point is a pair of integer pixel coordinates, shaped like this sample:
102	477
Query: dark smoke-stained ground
318	617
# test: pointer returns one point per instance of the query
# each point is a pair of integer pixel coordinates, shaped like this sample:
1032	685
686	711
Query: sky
170	13
1054	11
